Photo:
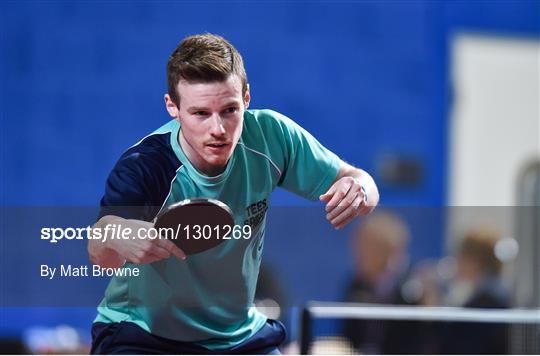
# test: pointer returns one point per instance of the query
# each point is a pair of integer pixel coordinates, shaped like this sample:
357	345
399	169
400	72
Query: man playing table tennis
218	149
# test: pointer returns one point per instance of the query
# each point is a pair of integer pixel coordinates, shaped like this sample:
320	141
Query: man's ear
247	98
171	107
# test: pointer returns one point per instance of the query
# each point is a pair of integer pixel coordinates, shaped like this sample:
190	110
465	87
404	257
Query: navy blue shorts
128	338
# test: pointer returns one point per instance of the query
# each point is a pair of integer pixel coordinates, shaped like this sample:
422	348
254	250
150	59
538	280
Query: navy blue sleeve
140	181
126	194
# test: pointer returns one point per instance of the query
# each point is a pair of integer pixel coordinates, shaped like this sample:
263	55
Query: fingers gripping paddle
195	225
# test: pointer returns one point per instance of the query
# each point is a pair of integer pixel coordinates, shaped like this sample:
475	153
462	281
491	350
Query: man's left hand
345	200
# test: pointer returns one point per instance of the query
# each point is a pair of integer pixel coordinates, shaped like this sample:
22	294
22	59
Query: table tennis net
350	328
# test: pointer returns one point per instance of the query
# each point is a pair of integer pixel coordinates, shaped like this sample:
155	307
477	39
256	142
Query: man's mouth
217	146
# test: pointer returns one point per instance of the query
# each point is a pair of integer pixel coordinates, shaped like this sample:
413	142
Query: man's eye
231	110
200	113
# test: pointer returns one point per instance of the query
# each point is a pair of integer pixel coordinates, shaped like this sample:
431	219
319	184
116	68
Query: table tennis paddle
199	223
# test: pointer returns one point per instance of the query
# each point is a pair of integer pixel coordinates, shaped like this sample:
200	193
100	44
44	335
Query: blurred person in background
477	284
381	262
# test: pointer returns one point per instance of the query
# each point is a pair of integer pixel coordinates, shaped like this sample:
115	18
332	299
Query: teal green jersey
208	298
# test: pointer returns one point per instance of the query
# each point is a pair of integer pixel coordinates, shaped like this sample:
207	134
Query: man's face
211	115
372	254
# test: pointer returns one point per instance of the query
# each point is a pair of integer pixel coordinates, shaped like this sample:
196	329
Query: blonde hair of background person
380	244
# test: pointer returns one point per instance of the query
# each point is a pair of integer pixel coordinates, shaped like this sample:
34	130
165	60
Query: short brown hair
479	245
204	58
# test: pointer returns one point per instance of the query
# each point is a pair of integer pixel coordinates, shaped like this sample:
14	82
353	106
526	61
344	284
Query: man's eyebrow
202	108
197	108
231	103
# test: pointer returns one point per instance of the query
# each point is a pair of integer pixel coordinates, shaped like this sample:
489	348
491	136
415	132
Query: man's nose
217	128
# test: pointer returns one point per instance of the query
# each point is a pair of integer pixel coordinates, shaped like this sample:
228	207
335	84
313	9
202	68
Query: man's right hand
115	252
